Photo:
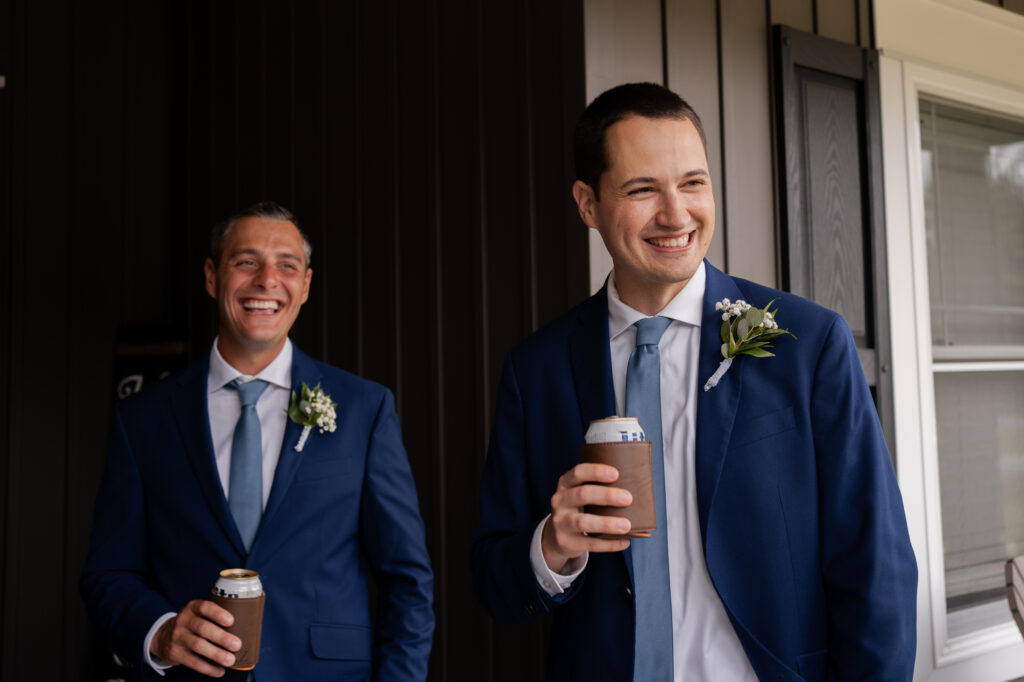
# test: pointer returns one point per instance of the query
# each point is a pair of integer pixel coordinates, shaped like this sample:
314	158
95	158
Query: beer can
614	429
238	583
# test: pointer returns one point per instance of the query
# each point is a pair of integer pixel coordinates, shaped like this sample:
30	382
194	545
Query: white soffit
967	36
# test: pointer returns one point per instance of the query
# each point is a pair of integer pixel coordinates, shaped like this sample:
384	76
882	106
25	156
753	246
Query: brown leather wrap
248	615
633	461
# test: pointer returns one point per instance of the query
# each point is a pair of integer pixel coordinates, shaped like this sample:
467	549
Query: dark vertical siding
39	338
425	148
89	243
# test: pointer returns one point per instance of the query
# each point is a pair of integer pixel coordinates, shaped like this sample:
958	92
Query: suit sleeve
395	545
115	582
509	513
868	565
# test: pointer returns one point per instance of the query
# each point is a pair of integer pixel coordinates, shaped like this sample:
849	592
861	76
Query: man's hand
565	534
193	638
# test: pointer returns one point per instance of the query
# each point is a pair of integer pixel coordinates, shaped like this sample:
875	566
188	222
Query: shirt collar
278	372
686	306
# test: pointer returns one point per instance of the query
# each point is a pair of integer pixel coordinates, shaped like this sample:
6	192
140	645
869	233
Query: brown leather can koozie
248	624
633	460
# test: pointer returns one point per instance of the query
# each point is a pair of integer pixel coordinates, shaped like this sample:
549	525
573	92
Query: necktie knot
650	329
249	392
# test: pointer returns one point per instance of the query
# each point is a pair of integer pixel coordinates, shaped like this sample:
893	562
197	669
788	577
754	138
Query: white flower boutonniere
746	330
314	408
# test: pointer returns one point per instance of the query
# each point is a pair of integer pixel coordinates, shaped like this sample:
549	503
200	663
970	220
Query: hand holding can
621	443
240	592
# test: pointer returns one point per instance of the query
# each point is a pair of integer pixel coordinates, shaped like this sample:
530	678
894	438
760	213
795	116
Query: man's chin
256	344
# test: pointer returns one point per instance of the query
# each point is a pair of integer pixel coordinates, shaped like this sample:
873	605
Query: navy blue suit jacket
343	506
803	528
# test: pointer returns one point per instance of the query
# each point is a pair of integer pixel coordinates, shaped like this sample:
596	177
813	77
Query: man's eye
641	190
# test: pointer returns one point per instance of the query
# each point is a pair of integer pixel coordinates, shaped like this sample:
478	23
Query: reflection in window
973	174
973	169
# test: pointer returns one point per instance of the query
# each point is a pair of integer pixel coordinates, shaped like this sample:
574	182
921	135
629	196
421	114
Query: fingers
588	472
207	610
195	638
569	531
579	487
588	493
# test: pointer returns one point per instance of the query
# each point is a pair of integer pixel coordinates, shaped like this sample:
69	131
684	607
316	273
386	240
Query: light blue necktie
245	483
653	652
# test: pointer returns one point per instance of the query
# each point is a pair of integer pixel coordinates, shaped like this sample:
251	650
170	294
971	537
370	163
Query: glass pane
980	418
973	171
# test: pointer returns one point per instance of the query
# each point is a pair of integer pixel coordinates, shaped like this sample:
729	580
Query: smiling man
781	550
206	472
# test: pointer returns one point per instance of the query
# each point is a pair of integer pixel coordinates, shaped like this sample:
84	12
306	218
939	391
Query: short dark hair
649	100
268	210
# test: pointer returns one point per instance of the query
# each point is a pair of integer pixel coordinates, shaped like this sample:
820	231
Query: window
953	155
972	165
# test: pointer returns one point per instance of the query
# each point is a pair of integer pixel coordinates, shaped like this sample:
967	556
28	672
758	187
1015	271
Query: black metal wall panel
426	149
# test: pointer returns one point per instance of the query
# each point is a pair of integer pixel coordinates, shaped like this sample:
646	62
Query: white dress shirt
705	646
224	407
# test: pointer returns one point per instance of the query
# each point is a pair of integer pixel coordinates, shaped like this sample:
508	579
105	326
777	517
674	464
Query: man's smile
261	306
672	242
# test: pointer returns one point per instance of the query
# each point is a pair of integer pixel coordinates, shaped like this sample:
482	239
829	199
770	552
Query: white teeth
671	243
260	305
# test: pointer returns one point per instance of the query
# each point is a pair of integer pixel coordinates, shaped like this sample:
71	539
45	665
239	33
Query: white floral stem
723	367
302	439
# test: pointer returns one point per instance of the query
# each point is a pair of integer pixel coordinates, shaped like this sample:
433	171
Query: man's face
656	214
260	284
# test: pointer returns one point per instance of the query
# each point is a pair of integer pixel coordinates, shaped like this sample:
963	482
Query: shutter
829	180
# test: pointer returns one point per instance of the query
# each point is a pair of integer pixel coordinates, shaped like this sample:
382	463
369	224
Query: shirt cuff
549	581
153	662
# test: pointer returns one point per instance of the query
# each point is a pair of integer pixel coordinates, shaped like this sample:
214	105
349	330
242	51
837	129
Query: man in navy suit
788	556
333	510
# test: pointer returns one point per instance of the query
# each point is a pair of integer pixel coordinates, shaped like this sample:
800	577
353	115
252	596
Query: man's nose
266	275
673	211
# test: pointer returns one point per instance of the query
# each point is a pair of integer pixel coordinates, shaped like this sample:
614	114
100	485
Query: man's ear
211	277
585	200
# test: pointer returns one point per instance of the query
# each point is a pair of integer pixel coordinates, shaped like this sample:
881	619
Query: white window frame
997	653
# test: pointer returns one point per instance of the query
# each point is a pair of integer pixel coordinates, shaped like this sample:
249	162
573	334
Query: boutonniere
314	408
746	330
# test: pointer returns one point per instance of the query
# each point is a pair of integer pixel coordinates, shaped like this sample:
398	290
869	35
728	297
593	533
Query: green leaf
754	316
725	350
743	328
732	348
724	332
758	352
294	412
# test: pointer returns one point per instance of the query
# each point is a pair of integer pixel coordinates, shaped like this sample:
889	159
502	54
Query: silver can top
238	583
614	429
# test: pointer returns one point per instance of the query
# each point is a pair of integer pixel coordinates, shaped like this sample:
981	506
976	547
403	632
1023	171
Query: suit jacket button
530	609
627	592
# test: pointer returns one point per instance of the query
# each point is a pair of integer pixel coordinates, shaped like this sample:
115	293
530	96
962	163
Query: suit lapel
716	409
303	370
590	357
188	403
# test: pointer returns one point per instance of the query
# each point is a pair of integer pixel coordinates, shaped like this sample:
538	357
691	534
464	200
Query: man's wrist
148	658
553	583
